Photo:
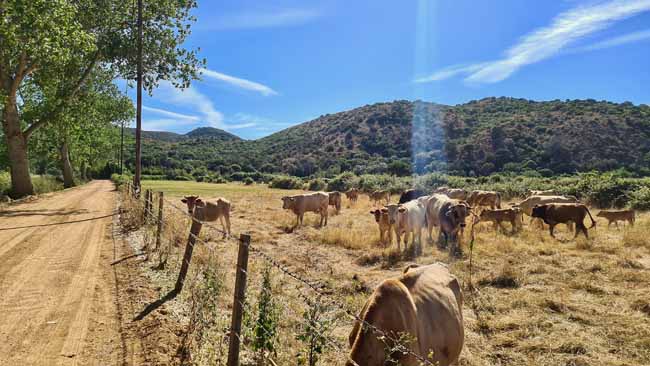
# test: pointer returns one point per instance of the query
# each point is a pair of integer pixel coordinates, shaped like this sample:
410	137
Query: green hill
477	138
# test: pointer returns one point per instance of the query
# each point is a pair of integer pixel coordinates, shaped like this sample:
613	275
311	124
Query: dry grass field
538	301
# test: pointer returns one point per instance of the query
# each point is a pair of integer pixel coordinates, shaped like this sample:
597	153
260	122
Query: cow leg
551	228
616	223
227	224
381	237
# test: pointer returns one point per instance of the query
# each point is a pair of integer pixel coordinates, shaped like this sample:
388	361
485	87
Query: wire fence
276	316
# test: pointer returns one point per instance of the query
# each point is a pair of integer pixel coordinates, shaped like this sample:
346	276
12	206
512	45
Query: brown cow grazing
377	196
512	215
449	215
335	200
616	216
556	213
352	194
382	220
490	199
210	211
309	202
527	205
421	308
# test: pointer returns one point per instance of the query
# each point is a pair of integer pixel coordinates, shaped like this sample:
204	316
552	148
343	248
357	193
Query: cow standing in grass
210	211
335	200
310	202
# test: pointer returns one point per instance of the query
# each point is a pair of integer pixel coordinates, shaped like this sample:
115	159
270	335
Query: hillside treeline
401	138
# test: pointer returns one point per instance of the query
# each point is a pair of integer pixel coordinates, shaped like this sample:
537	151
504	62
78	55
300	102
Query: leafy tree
58	44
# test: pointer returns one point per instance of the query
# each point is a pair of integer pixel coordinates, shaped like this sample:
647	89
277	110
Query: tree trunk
21	181
68	179
84	171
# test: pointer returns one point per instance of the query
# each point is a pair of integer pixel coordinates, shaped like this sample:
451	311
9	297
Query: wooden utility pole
138	128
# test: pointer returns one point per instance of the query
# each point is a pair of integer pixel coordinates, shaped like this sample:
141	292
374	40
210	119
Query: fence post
238	301
160	218
187	257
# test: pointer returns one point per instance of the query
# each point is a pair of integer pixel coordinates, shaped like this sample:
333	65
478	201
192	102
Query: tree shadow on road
19	213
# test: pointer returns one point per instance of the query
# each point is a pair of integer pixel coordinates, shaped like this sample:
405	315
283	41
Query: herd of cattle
444	208
425	302
448	208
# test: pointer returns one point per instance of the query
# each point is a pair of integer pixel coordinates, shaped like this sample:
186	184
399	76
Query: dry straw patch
539	301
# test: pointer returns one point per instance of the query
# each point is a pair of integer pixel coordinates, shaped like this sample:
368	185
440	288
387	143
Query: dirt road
57	288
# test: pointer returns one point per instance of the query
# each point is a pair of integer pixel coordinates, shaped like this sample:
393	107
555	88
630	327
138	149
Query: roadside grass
537	300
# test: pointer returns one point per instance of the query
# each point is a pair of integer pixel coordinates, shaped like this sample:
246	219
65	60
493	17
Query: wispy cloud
239	83
617	41
191	99
164	124
167	113
546	42
270	19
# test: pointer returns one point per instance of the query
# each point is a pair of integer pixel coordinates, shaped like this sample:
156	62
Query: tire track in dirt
55	283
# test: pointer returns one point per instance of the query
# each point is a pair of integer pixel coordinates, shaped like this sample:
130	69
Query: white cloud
192	99
278	18
546	42
617	41
164	124
171	114
240	83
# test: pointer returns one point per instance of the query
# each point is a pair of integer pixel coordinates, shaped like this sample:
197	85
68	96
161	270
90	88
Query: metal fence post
160	218
238	301
187	257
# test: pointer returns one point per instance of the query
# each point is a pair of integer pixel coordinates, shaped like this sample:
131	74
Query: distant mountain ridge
403	137
197	133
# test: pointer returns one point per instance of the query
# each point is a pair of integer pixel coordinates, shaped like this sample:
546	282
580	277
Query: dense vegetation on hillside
473	139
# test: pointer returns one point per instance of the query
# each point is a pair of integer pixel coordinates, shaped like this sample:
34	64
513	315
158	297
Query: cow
309	202
411	220
210	211
410	195
455	193
382	220
490	199
556	213
527	205
616	216
547	192
421	310
352	194
377	196
449	216
497	217
335	200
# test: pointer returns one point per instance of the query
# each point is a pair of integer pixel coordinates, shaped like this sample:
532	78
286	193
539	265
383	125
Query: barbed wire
308	283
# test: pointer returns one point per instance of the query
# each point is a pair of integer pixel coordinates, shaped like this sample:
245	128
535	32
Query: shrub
248	181
640	198
317	185
120	179
342	182
286	182
5	183
46	183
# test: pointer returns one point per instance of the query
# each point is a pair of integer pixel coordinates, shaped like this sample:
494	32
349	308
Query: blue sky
273	64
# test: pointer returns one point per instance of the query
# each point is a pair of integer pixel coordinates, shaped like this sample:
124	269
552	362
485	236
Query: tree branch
20	72
64	100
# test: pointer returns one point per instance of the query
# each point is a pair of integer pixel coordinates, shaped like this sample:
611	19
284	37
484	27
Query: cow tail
498	200
593	222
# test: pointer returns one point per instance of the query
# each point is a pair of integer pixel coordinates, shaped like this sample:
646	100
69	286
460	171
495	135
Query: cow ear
384	210
401	209
374	212
198	200
184	200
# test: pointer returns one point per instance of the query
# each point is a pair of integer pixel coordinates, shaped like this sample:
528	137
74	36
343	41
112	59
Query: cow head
393	212
378	213
191	202
288	202
539	211
457	214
